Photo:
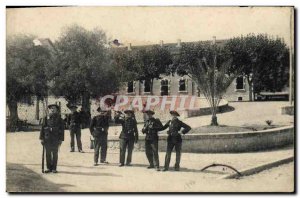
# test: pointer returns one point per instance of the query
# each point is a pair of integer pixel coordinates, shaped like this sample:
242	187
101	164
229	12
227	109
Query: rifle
43	159
43	124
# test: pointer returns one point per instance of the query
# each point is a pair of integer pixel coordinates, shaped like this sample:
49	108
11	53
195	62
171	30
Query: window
147	86
182	85
240	83
164	87
130	87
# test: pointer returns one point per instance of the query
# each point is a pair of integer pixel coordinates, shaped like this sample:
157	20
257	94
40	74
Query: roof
173	47
46	42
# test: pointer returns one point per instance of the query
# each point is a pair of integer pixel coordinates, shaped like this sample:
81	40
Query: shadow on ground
100	166
22	179
182	169
226	109
89	173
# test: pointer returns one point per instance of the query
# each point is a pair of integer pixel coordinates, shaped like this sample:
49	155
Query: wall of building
173	87
232	94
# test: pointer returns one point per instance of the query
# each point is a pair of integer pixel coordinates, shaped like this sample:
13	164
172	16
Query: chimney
129	47
37	42
178	43
214	40
161	43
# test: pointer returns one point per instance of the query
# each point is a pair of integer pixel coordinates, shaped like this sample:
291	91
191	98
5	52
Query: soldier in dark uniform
174	138
151	128
99	130
128	136
51	136
74	122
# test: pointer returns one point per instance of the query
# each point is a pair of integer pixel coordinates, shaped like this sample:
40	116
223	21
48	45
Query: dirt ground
77	173
272	180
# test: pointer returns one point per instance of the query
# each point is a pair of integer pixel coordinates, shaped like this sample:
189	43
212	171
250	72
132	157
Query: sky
149	25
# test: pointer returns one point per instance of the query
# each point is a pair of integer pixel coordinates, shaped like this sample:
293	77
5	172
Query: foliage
152	62
27	67
144	63
124	61
83	67
26	72
17	67
209	67
265	58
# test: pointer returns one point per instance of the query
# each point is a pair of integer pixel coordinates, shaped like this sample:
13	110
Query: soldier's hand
42	142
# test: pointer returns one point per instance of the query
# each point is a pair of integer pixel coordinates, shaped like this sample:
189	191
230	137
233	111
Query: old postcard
150	99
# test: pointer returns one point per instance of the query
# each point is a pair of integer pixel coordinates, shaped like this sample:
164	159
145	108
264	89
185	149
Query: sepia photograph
150	99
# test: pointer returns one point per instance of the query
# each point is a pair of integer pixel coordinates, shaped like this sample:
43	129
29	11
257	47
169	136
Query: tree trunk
250	90
214	120
140	87
13	115
86	110
37	109
151	86
86	102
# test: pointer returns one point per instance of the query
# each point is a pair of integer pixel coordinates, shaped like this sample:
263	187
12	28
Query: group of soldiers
52	135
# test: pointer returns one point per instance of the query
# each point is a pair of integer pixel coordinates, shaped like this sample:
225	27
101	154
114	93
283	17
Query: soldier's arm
165	126
144	129
92	124
118	119
68	119
157	125
136	132
108	118
186	128
62	130
106	123
42	133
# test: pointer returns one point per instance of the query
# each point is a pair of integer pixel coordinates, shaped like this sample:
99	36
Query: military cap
174	113
53	105
150	112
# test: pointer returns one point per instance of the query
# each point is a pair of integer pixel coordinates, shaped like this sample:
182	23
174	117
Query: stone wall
223	142
288	110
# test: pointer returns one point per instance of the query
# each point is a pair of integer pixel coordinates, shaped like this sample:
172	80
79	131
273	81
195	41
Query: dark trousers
76	132
51	156
100	142
170	147
151	147
126	144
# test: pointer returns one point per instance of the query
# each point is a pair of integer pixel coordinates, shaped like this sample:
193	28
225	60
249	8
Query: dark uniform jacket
52	130
175	126
99	125
129	127
151	128
74	120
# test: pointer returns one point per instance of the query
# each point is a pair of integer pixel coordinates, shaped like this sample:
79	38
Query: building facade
182	85
177	85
